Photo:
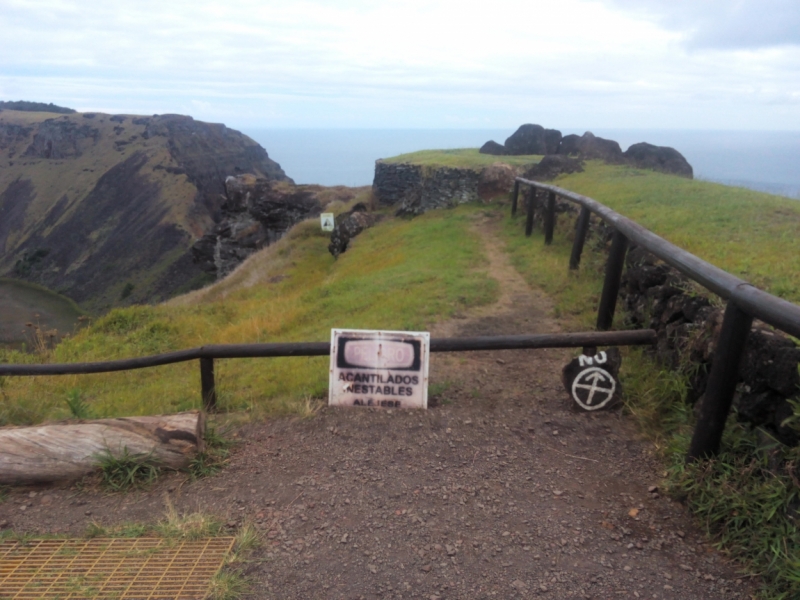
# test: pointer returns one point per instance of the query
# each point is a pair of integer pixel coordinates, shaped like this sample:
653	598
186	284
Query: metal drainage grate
123	569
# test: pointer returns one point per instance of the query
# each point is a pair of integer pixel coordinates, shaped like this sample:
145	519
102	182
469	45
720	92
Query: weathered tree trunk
69	451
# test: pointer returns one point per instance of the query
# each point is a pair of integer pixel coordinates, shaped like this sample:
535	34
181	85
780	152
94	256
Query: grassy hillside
296	292
467	158
750	234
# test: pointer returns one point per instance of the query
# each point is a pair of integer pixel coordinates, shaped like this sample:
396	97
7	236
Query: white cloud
418	63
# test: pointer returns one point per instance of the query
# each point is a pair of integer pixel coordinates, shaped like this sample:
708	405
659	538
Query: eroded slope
104	208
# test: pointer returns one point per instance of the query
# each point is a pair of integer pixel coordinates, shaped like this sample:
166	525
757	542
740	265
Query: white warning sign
387	369
326	219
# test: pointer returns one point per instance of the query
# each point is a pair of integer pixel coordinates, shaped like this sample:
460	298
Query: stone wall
657	296
415	189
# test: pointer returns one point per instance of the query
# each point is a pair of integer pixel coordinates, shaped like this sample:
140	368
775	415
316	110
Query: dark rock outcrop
349	225
658	158
256	213
552	141
493	148
61	138
589	146
209	152
569	145
553	165
533	139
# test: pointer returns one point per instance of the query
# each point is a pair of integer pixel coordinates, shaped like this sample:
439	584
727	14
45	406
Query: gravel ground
499	490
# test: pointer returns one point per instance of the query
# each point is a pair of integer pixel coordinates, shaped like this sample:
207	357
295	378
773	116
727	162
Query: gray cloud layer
725	24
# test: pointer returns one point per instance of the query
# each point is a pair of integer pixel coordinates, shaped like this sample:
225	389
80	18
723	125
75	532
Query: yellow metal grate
123	569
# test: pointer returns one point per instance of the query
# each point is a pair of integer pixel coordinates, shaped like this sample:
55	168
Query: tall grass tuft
126	471
77	406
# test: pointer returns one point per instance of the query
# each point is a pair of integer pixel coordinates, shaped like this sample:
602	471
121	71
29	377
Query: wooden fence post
514	197
529	216
721	383
581	229
550	218
209	390
608	301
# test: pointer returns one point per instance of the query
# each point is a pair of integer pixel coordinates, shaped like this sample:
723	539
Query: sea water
767	161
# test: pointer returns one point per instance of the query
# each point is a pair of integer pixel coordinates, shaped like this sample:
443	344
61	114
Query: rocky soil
499	490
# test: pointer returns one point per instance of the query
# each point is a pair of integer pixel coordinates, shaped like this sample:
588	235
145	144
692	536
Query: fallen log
71	450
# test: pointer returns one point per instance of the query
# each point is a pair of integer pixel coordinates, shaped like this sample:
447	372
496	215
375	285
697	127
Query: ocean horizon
767	161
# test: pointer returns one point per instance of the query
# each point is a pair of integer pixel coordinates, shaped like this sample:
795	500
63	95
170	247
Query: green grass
748	497
398	275
750	234
125	471
465	158
78	407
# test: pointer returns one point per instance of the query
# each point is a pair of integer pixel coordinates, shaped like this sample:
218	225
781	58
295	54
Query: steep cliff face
105	209
256	213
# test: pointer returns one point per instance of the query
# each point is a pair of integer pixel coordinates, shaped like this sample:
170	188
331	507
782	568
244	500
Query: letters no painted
385	369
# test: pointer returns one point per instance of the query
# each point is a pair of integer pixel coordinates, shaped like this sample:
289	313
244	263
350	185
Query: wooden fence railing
207	354
744	301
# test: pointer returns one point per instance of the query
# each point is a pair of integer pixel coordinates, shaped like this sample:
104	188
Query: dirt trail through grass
500	490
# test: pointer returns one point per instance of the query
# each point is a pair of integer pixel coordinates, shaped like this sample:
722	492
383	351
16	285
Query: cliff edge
105	208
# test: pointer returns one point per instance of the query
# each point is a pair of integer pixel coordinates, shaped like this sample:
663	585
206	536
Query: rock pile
535	139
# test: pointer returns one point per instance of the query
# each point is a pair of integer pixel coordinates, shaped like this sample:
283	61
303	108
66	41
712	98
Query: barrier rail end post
721	383
550	218
209	390
514	197
581	229
608	300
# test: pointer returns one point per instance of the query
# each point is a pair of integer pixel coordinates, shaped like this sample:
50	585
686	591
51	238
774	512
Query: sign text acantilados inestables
386	369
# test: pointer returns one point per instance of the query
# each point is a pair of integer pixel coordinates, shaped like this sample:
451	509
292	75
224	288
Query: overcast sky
685	64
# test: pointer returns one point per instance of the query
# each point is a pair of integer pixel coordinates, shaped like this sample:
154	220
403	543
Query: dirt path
498	491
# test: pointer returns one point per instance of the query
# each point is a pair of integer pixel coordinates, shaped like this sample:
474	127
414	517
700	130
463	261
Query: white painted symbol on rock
593	383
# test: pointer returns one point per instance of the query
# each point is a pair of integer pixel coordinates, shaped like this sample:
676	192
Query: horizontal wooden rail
745	302
509	342
758	303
